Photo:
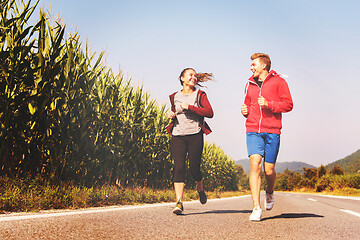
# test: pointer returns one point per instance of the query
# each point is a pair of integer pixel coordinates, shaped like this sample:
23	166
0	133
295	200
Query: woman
188	109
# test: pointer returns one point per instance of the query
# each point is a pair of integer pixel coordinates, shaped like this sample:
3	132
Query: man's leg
272	145
270	176
271	151
254	178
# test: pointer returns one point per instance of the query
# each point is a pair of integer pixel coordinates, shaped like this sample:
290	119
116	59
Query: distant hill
350	164
280	166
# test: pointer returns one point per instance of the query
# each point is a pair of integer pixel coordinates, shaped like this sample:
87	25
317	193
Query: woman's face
189	78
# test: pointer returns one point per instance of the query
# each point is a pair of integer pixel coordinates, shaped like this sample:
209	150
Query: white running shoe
256	214
269	201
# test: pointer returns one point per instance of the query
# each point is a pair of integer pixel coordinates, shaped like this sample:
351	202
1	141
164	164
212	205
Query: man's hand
262	101
244	110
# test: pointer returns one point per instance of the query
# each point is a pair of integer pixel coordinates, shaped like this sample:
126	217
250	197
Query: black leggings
180	147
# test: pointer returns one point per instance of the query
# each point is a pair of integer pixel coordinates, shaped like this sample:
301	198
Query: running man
267	96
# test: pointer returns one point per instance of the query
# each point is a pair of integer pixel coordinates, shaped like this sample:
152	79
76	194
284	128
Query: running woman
189	106
267	96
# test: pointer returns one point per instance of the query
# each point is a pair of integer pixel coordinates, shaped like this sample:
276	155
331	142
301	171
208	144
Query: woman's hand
171	114
184	105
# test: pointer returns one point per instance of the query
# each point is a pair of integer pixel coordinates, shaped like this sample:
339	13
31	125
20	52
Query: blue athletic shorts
265	144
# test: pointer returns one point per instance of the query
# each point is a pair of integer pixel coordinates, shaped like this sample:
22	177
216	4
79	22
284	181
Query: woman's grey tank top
186	122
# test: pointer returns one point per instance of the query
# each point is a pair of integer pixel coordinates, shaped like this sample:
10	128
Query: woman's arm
205	110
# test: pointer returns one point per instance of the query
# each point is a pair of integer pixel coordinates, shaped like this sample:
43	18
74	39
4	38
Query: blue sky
314	43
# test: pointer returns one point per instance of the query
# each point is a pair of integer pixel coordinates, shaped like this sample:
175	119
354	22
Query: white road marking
341	197
328	196
351	212
312	199
66	213
59	213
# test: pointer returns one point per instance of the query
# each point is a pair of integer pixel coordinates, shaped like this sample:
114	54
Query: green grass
31	195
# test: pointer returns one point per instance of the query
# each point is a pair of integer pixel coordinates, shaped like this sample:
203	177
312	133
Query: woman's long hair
201	77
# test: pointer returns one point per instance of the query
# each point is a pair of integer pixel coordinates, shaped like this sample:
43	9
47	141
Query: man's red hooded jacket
267	119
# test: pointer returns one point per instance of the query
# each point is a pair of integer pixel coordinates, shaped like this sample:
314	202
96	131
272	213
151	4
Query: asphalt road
294	216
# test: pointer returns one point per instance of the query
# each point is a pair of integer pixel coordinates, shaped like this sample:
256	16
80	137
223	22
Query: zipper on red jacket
261	115
253	82
261	112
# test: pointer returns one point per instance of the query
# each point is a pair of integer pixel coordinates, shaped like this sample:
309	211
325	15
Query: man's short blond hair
264	58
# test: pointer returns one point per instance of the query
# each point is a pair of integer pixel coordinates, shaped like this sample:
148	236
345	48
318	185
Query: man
267	95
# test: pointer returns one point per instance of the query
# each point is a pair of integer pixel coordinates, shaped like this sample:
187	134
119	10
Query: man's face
257	67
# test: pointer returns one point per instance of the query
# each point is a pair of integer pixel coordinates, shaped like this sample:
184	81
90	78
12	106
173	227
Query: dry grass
28	195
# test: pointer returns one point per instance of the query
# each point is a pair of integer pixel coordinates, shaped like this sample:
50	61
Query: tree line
318	179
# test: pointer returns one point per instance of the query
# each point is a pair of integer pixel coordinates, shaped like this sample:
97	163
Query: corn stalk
64	115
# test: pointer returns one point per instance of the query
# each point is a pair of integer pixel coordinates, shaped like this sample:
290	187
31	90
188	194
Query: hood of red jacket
271	73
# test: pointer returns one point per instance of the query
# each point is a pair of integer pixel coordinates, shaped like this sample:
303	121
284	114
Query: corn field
64	115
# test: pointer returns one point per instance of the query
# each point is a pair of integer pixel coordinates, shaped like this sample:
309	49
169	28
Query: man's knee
269	169
255	162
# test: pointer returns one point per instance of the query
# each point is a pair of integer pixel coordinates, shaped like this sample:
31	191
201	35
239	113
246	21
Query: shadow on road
283	215
293	215
218	211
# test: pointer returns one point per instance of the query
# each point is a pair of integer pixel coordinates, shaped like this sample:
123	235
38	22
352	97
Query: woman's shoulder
200	92
172	97
173	94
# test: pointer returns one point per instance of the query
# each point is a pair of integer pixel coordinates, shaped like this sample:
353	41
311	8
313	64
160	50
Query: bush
219	170
243	178
337	170
287	181
321	171
352	181
323	183
335	182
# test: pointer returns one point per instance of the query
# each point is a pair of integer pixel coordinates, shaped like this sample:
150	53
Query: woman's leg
179	151
199	186
195	149
179	190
